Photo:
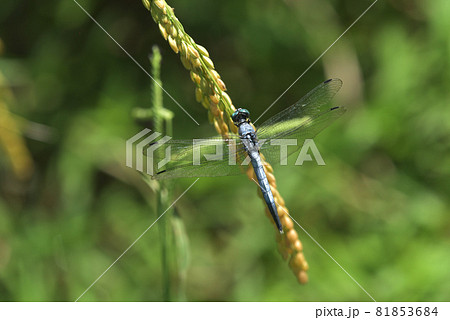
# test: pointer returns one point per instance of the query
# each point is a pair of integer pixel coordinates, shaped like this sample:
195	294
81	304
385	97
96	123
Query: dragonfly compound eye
234	115
240	114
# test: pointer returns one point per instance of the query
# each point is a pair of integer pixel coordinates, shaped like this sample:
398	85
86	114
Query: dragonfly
219	156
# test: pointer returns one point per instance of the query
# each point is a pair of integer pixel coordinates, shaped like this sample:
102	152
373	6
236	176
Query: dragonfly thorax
246	131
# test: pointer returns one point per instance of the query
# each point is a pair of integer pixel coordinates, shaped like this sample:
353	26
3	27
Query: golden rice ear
211	93
11	139
210	88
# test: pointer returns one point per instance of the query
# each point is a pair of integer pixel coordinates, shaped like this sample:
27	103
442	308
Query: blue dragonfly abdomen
265	189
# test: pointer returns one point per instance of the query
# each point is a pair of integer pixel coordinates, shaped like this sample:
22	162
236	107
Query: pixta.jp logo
145	145
201	152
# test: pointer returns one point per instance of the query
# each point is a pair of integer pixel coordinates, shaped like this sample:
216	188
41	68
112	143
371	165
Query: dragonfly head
240	115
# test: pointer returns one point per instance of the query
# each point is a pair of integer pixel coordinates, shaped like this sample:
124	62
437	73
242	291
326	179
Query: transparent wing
303	120
311	105
196	158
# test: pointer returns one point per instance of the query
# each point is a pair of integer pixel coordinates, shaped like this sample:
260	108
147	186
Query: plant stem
162	193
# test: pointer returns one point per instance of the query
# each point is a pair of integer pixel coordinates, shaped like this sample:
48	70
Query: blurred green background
69	206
